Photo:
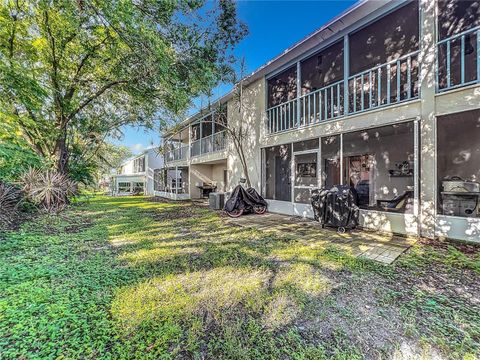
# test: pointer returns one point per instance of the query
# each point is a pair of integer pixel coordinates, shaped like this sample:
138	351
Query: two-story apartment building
136	175
196	157
384	98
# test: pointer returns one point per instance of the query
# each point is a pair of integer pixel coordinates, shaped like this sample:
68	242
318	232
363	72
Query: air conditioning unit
216	201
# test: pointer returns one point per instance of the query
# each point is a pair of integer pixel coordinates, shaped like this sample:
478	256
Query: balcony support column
299	93
346	73
201	136
428	180
187	157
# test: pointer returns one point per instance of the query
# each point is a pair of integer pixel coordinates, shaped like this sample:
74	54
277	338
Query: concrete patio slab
384	248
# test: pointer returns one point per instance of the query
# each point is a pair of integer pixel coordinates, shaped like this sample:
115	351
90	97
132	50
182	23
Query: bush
16	160
48	189
10	199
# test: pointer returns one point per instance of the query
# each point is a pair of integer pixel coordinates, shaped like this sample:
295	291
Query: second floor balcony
458	60
375	66
209	144
177	154
206	135
382	85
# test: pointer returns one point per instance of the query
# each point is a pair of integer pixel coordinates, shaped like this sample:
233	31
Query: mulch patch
17	222
181	212
467	249
78	226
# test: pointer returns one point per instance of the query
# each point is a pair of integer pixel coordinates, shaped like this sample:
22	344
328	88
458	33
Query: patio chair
398	204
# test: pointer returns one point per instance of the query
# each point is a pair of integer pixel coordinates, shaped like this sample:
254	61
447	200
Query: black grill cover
336	207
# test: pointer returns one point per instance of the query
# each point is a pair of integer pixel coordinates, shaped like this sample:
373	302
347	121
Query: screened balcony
372	67
458	46
385	84
209	134
177	146
177	154
209	144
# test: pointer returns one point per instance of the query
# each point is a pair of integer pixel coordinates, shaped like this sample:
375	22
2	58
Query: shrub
15	160
49	189
10	198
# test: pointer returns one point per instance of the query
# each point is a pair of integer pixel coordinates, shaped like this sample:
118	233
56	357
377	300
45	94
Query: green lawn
129	278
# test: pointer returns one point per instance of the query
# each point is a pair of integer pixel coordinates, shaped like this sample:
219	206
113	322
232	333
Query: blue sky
273	27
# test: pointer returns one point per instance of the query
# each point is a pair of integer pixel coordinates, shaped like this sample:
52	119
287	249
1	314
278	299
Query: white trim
460	228
349	131
457	89
172	196
341	158
292	175
389	222
416	169
280	207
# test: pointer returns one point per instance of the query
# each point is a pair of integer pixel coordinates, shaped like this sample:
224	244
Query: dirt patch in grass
353	318
20	218
442	267
174	213
467	249
78	226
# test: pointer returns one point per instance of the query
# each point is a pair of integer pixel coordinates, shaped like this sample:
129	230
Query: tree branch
85	103
71	90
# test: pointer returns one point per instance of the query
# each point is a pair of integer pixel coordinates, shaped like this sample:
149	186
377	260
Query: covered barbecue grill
336	207
206	188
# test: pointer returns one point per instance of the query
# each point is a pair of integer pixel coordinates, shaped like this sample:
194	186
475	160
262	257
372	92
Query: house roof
344	20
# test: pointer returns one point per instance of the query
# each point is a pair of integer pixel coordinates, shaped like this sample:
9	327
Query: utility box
216	201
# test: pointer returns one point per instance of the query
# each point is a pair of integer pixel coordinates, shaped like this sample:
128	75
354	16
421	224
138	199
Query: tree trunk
247	177
239	147
62	154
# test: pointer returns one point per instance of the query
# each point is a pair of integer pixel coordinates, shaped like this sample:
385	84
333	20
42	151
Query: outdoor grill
206	188
460	197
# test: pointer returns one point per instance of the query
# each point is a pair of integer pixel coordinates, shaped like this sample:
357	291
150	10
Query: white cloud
137	148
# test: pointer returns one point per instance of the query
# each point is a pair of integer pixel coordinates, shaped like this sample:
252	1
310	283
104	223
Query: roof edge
271	63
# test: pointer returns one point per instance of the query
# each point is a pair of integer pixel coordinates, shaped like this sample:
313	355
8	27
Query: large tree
73	69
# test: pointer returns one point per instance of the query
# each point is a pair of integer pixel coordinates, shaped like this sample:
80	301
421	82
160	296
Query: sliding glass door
306	170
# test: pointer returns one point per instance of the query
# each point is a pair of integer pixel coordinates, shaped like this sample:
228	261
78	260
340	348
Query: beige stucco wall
217	176
209	157
206	173
199	173
375	118
462	99
252	117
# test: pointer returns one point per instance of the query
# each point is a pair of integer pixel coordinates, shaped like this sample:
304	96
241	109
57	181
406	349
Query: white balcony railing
387	84
283	117
209	144
458	60
176	154
322	104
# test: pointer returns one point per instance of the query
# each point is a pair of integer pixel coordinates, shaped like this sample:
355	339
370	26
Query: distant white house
136	175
